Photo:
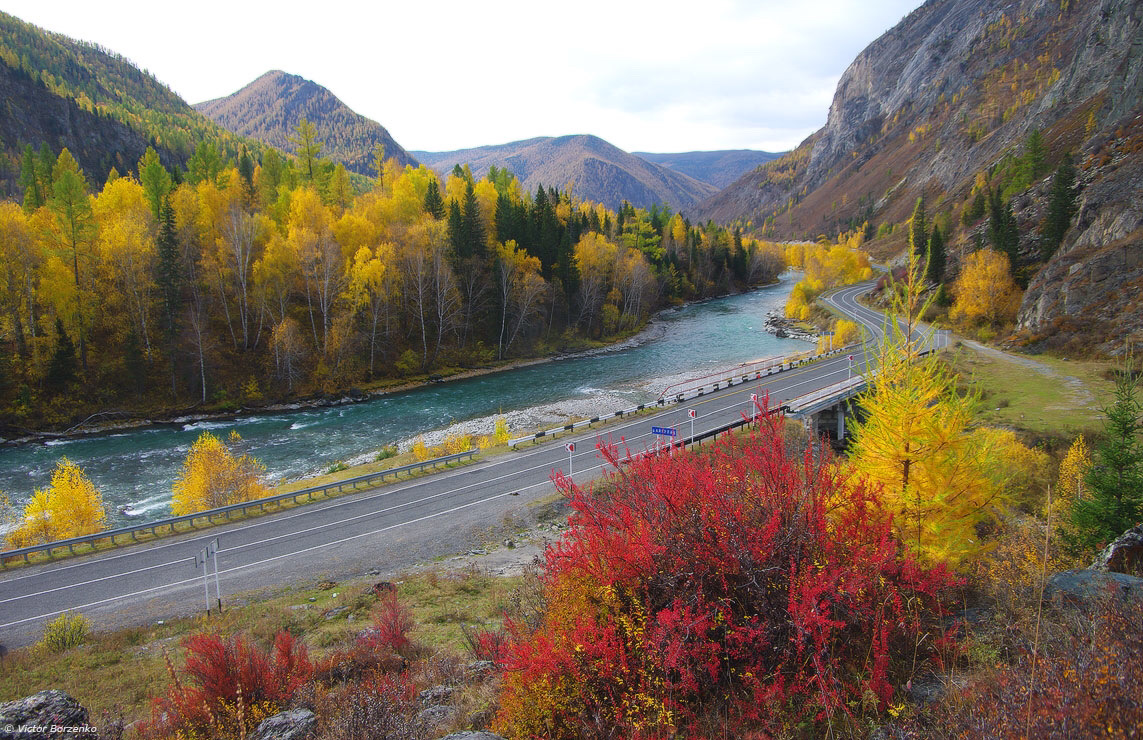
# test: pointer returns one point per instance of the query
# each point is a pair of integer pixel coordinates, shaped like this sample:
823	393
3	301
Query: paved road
388	529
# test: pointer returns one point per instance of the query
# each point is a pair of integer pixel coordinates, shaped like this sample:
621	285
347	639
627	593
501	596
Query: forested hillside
251	281
587	167
105	110
270	108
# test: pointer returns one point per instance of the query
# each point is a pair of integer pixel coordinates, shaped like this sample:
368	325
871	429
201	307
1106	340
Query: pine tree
1002	231
434	203
935	266
246	171
1061	207
1114	500
472	227
919	230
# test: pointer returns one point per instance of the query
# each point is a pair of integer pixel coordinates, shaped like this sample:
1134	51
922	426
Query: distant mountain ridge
719	168
270	107
590	167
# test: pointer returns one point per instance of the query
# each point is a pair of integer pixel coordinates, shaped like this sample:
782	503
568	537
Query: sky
654	76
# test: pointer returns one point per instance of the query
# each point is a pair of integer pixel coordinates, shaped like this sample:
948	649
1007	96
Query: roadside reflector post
692	413
571	449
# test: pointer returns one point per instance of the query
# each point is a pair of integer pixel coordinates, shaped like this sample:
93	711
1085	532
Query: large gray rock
1125	555
472	735
1088	587
48	714
295	724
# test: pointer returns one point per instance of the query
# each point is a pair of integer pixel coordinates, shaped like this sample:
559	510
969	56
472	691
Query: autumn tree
212	476
72	209
984	291
155	179
308	148
916	441
70	506
520	289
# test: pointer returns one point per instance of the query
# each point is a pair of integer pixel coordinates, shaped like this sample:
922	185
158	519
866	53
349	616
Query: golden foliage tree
214	476
985	291
70	506
916	441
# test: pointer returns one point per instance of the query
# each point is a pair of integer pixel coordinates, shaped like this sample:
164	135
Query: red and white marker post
570	448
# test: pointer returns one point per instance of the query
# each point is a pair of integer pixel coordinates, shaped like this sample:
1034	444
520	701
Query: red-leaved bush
739	591
227	686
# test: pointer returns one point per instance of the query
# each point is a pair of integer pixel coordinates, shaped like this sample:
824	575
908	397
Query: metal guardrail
226	511
772	366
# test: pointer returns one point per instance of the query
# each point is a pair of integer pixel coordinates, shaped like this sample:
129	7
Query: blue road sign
665	431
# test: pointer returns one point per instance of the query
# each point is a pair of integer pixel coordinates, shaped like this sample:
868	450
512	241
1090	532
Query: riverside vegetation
750	589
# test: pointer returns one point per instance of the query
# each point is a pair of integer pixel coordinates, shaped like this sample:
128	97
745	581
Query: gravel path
1078	393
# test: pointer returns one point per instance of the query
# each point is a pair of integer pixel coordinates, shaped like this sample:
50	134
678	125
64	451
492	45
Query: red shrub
392	623
742	588
232	685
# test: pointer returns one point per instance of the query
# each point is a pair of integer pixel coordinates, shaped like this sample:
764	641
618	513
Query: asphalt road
386	529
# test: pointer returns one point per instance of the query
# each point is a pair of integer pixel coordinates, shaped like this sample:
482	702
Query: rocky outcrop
1094	282
1125	555
48	714
1088	587
946	94
471	735
295	724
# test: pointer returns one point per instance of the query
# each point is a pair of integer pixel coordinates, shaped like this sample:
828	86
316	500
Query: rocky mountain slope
270	107
942	103
592	168
719	168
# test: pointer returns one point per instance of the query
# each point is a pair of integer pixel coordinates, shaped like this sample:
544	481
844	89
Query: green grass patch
1062	402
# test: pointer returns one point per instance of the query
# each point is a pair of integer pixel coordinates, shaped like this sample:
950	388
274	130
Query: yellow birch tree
213	476
70	506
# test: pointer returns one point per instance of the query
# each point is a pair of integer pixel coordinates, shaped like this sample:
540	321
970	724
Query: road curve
387	529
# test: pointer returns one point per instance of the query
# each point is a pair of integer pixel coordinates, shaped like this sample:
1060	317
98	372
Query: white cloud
672	75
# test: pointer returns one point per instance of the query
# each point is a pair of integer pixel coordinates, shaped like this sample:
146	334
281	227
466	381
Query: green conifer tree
1115	478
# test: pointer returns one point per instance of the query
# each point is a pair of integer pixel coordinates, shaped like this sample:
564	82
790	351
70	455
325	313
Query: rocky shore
785	328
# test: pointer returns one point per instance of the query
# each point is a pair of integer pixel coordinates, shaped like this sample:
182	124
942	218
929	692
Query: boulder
295	724
472	735
48	714
1087	586
1125	555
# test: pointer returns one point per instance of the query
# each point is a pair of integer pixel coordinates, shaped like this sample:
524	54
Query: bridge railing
170	523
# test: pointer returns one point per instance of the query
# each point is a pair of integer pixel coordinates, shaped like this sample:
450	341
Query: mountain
719	168
592	168
948	100
100	106
270	107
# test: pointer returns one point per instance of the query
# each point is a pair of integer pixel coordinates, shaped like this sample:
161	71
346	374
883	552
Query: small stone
436	715
435	695
335	612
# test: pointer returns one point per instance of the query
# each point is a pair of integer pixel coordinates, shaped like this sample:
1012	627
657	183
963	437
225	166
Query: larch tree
916	442
72	209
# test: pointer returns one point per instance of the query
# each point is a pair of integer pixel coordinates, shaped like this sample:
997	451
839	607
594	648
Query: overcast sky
659	76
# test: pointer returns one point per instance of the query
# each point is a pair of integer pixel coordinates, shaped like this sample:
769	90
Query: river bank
134	467
182	417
